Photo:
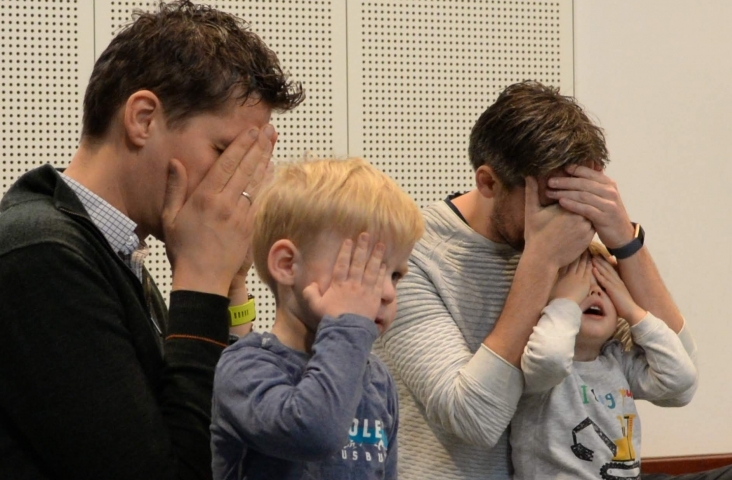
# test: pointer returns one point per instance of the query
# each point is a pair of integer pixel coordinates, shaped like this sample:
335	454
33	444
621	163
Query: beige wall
657	74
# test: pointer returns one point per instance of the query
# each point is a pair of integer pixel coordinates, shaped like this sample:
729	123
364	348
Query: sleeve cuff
349	320
646	324
569	307
688	342
650	323
562	312
495	374
199	314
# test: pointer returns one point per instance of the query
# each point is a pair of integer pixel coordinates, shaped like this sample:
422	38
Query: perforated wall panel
46	55
424	71
398	82
308	39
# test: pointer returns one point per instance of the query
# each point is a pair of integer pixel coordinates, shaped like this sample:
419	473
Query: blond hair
347	197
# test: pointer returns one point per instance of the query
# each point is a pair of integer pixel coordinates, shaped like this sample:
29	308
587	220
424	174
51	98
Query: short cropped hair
532	130
347	197
194	58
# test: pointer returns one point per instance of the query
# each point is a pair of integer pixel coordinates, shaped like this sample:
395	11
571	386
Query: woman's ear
282	262
487	181
140	110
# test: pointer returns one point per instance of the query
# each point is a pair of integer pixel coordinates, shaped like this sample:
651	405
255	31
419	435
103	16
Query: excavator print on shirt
624	465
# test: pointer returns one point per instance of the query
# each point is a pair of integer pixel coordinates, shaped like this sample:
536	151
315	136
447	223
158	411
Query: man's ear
141	110
283	262
487	181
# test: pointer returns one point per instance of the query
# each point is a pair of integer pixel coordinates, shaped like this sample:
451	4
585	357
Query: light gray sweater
456	396
578	419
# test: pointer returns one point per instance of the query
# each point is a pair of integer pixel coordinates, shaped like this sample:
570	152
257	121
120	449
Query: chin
597	330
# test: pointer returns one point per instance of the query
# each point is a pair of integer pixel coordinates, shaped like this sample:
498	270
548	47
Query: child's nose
388	294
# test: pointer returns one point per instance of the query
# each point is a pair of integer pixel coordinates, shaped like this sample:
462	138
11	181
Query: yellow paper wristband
241	314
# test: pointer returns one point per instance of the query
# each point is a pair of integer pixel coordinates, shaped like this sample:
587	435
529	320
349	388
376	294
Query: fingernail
269	130
254	133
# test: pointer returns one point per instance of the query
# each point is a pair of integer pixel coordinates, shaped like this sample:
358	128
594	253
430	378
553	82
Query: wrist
630	248
623	236
533	257
239	296
634	315
199	281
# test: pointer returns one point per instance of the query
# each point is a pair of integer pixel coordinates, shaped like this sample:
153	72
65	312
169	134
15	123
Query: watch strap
630	248
241	314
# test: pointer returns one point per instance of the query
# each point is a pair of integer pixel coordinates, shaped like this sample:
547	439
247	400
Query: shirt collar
117	228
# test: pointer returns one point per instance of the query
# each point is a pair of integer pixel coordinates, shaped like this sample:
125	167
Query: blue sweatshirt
284	414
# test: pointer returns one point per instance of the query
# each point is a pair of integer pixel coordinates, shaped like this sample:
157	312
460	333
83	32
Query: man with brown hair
99	379
483	271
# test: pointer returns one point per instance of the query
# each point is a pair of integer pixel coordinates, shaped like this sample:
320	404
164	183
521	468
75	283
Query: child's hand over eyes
611	282
574	280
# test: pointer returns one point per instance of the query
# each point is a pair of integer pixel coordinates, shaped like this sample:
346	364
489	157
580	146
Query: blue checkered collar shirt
117	228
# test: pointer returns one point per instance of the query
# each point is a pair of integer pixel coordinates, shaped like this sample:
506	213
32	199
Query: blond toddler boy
308	400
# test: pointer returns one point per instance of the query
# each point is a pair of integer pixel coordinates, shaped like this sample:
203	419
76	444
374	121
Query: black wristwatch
631	247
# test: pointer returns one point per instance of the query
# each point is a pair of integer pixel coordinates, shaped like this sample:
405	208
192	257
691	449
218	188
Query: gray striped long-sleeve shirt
457	397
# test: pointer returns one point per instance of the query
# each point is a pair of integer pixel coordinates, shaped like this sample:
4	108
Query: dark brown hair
531	130
194	58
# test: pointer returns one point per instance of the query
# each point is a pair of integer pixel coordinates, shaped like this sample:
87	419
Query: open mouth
595	310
